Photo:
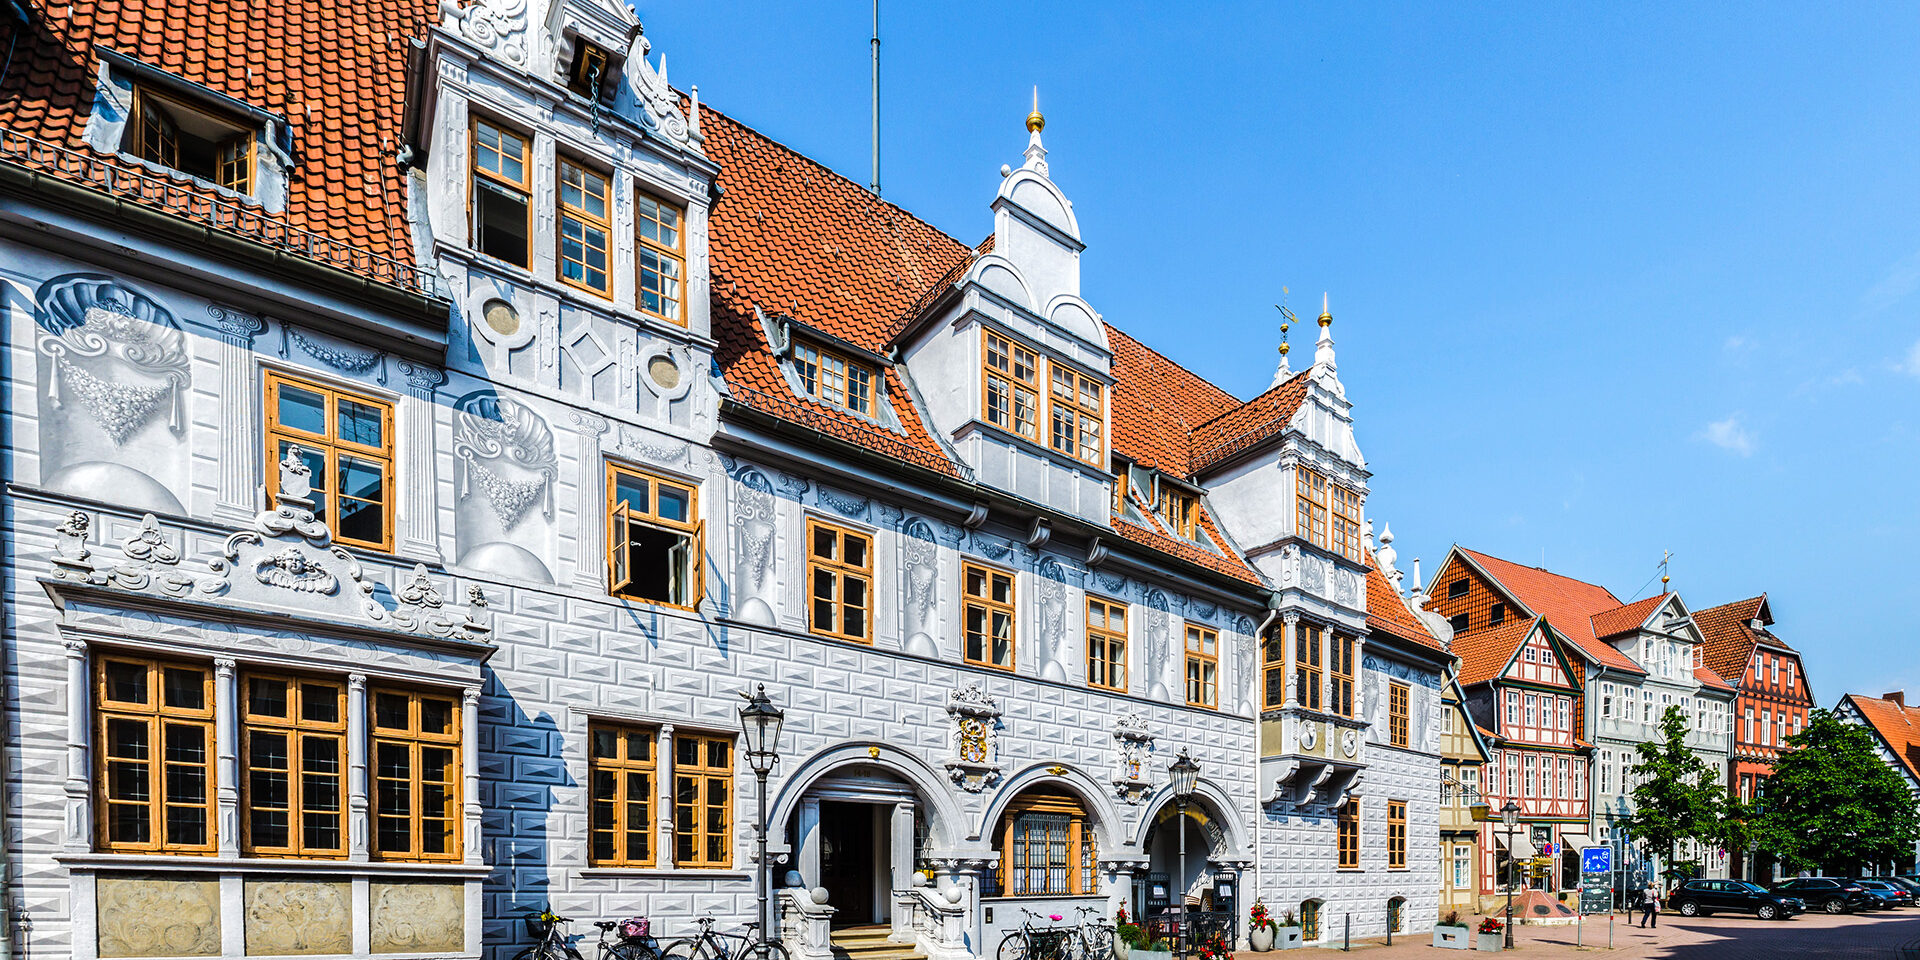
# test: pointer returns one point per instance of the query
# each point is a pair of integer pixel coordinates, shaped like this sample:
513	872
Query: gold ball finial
1326	316
1036	122
1283	349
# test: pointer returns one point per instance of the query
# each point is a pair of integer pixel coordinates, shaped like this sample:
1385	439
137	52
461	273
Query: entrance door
847	861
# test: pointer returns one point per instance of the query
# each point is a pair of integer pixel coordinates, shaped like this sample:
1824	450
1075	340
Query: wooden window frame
1310	518
822	380
1309	663
522	188
1396	834
157	717
234	157
1399	696
1347	832
1273	670
1341	673
1344	525
623	767
621	520
416	741
1110	644
1180	510
295	726
1077	384
676	254
840	573
702	776
989	606
330	447
565	211
1012	383
1202	672
1080	846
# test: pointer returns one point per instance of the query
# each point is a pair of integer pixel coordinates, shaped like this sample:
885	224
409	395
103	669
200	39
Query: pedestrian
1650	906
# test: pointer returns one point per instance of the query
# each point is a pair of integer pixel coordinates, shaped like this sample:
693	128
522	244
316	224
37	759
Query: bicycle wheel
770	950
1099	944
1014	946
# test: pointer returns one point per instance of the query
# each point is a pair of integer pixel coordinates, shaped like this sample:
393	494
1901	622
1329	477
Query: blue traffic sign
1596	860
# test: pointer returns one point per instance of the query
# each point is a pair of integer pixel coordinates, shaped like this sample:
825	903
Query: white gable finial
1036	153
693	112
1323	365
1386	555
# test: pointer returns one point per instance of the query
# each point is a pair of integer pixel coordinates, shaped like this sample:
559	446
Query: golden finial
1036	122
1326	316
1283	348
1286	321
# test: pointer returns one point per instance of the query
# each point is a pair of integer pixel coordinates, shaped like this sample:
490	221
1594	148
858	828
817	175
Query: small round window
664	372
501	317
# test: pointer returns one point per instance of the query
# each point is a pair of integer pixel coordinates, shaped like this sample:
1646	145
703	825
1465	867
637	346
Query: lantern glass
1185	775
760	723
1510	814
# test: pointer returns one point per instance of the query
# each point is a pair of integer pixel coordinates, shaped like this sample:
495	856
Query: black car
1827	893
1892	894
1701	897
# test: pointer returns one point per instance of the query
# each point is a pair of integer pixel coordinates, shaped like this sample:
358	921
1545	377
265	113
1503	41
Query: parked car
1827	893
1894	894
1701	897
1912	884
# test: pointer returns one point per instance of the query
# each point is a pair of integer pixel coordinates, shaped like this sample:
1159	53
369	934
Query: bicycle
623	946
708	945
1093	936
552	941
1033	942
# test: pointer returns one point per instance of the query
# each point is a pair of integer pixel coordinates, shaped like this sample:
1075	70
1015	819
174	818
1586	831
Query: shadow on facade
521	768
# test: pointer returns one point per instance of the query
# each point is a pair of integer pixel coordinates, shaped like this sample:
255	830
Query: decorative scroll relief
975	764
755	527
659	104
506	451
498	26
1159	645
119	353
920	561
1133	747
287	559
339	358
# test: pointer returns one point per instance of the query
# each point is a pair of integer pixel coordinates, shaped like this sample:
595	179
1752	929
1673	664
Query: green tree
1679	796
1831	800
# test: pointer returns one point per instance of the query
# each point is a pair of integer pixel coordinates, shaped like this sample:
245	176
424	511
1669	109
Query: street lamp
1185	774
760	729
1510	815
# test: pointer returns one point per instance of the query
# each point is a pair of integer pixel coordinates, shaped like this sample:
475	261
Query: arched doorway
860	829
1204	885
1048	845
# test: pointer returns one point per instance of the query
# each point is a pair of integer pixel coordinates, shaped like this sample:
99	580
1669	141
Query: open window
654	541
195	141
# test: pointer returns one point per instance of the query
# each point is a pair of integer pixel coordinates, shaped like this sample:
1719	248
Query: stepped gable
1568	604
335	71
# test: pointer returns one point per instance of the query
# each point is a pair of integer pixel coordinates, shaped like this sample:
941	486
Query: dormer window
584	230
662	258
502	213
835	380
1013	386
195	142
1180	510
1079	414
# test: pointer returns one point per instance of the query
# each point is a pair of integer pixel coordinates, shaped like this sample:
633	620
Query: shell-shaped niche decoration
506	450
115	351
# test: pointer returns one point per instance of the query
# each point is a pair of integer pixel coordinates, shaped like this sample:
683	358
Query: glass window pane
390	710
320	703
632	491
361	423
362	521
125	682
436	716
303	410
673	504
186	689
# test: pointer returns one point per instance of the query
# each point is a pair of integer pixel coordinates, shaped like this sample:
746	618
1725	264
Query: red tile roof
336	71
1387	611
1731	637
1625	618
1484	653
1897	724
1246	426
1156	405
1707	678
1568	604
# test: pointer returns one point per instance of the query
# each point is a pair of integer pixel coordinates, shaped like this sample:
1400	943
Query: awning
1523	848
1575	841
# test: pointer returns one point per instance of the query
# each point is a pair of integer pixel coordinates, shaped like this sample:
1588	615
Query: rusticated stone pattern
158	917
290	917
417	917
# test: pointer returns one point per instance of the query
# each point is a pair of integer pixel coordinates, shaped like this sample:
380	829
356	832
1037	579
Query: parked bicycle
550	938
1035	942
1093	937
708	945
632	939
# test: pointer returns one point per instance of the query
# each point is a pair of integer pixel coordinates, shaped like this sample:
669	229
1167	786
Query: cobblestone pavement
1893	935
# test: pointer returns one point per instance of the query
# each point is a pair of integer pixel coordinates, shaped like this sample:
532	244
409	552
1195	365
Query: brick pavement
1882	936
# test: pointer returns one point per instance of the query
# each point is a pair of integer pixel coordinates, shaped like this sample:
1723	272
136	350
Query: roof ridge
756	131
1245	403
1178	365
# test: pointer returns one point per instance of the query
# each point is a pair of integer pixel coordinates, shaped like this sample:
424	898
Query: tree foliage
1678	796
1831	799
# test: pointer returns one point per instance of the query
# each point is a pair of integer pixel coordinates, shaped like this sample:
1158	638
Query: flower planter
1286	938
1491	941
1453	938
1138	954
1260	939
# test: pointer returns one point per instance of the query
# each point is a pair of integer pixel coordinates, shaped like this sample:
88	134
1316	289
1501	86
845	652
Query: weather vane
1287	320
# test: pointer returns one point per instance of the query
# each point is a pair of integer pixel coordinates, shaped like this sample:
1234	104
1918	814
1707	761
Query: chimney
1899	698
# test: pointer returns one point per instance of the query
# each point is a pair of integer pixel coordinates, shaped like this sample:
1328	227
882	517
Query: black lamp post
1510	815
760	727
1185	775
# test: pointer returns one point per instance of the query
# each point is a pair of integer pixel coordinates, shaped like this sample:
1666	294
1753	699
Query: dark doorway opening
848	861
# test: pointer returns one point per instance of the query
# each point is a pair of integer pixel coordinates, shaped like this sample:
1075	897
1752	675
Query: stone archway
1214	840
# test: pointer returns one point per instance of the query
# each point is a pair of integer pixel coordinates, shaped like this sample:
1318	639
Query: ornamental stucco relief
141	917
418	917
286	917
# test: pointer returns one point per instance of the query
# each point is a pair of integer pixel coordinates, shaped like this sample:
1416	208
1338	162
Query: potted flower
1287	935
1490	935
1214	948
1260	927
1130	937
1451	934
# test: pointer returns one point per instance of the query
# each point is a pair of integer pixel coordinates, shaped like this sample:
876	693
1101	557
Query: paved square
1884	936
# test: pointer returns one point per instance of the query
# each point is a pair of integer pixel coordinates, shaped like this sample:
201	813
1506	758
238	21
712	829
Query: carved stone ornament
497	26
659	104
116	351
1309	734
289	559
975	764
1133	748
505	450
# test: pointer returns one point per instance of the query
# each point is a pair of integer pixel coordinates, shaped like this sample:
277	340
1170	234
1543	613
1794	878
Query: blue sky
1607	280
